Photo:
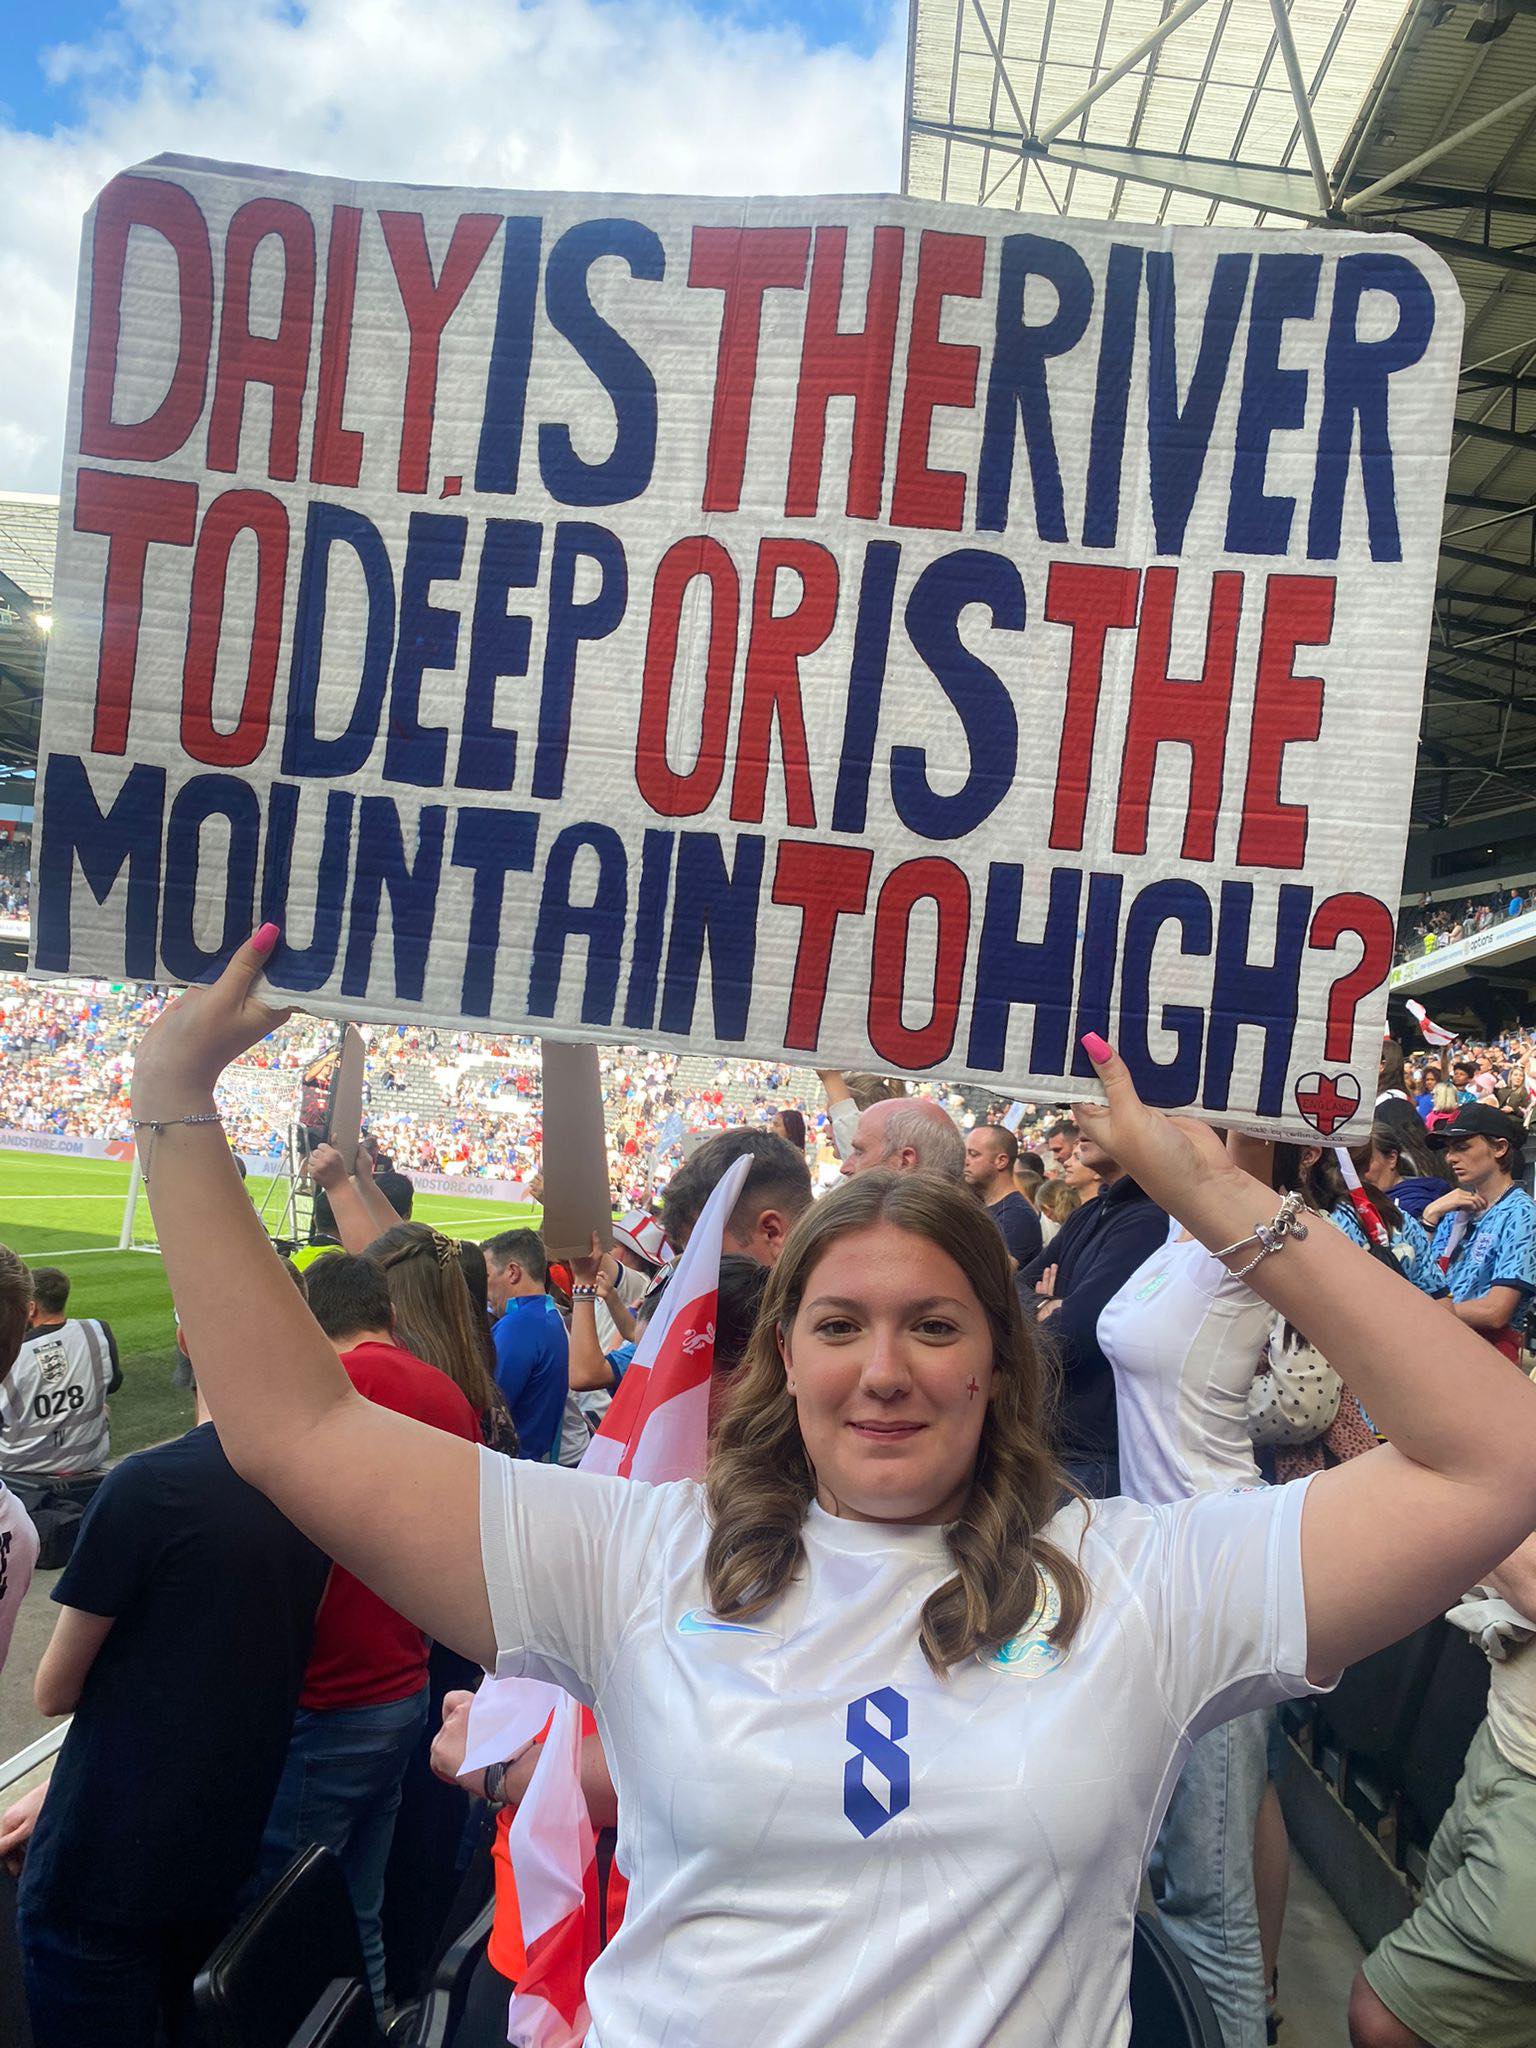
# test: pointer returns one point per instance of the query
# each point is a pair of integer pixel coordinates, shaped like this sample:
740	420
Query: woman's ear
780	1337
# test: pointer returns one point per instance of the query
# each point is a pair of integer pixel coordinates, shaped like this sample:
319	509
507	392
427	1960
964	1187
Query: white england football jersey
1185	1339
828	1846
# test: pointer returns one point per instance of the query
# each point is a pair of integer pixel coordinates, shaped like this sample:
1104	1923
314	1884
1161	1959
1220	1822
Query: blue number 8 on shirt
883	1752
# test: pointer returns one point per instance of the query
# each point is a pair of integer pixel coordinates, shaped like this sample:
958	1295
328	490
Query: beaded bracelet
583	1294
156	1124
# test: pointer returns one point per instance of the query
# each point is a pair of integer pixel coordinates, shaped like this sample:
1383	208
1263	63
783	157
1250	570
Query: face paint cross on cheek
972	1389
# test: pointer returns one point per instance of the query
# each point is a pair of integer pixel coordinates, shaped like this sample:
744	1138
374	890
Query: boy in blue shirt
1485	1228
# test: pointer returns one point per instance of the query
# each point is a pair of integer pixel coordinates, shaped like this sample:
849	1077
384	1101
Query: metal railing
14	1768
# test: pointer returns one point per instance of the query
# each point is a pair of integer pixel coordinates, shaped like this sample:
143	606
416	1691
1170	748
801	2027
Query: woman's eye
937	1326
834	1326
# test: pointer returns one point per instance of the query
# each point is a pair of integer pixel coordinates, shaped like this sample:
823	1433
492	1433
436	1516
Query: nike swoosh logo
695	1624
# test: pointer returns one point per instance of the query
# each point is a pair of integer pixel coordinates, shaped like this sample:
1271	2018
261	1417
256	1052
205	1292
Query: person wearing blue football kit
874	1658
1485	1228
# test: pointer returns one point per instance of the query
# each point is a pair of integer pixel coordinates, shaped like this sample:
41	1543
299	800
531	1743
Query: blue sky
35	103
717	96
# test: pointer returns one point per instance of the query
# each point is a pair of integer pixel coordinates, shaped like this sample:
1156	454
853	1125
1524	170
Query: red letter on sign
429	304
938	373
1298	612
1192	711
668	792
824	881
237	512
337	454
905	887
836	364
743	263
134	512
1093	600
772	686
280	360
171	211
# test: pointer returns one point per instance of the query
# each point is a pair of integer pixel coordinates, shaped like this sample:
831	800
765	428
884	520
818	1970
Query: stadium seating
1435	1747
1364	1724
343	2018
286	1964
437	2022
1169	2005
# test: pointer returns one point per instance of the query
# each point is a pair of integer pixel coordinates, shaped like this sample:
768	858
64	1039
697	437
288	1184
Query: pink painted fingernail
265	938
1098	1049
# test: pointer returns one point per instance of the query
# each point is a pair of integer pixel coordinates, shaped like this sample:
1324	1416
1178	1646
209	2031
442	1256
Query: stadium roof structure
28	527
1352	113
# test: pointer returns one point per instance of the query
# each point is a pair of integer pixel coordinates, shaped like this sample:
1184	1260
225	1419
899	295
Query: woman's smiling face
889	1359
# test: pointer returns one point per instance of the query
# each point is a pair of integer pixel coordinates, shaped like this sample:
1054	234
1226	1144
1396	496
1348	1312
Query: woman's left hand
190	1044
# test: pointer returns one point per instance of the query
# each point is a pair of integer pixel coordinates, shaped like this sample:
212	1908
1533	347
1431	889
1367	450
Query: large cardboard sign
868	632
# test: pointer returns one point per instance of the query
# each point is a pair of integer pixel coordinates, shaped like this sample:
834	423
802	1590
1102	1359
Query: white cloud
641	96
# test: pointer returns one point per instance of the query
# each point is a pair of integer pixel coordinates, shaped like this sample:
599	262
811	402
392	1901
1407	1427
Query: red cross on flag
1432	1033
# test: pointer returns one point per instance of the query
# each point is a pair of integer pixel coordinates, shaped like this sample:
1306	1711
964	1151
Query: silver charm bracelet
1270	1237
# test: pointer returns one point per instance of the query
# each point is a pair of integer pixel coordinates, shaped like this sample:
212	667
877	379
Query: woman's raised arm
391	1499
1391	1539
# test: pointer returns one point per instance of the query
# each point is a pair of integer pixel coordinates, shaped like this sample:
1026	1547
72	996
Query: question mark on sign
1371	922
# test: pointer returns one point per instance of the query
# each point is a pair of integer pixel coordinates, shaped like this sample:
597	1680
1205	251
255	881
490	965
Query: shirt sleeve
116	1549
1420	1267
1514	1260
569	1558
843	1116
620	1360
1226	1586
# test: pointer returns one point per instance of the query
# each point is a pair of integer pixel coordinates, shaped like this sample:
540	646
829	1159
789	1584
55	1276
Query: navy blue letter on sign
883	1751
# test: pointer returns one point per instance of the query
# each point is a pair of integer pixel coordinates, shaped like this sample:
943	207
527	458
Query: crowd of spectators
508	1348
15	879
1429	926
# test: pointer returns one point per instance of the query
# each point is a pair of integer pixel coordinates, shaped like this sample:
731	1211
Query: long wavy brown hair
761	1481
435	1316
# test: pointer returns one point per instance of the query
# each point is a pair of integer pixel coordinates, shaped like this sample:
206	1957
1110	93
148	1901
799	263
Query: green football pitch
69	1213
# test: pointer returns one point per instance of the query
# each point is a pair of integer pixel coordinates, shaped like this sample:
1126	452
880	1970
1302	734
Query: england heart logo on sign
1327	1100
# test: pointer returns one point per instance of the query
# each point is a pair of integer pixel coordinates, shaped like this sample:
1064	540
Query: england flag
657	1429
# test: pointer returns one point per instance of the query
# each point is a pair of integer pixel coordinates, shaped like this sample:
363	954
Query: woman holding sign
891	1732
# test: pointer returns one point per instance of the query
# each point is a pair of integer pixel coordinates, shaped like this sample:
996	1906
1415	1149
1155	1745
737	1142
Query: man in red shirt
363	1707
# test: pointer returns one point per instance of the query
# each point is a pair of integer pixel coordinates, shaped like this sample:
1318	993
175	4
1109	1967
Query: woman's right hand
1176	1159
189	1045
1443	1205
451	1742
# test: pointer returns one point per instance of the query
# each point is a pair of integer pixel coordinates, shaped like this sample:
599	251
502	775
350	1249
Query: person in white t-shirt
18	1538
892	1731
1185	1338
